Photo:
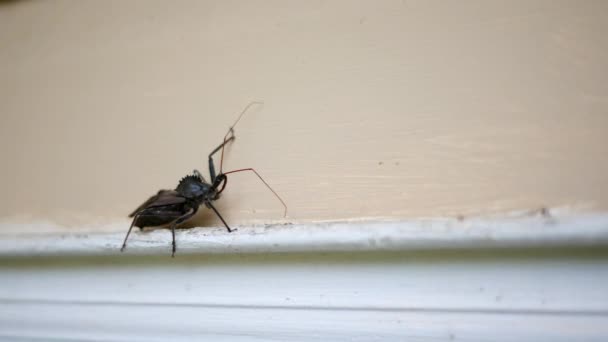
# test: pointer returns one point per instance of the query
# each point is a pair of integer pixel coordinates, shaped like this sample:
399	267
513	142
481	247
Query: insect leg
211	165
208	203
227	138
263	181
181	219
124	244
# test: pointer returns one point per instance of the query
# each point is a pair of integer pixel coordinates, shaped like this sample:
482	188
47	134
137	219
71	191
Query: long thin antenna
231	129
263	181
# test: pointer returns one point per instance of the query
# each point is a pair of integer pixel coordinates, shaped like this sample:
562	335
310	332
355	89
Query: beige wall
372	108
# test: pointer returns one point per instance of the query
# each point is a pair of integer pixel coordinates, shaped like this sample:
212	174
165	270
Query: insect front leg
228	137
217	149
208	204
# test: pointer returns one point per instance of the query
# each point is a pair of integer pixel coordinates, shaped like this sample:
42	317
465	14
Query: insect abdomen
159	216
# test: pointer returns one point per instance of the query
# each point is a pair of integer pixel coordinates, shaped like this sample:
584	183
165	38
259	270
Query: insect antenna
267	185
231	129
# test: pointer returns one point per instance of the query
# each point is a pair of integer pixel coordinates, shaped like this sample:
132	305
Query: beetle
174	207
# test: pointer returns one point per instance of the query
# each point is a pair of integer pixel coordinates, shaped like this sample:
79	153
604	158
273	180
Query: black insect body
173	207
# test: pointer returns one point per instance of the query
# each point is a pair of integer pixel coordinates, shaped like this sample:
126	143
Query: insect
174	207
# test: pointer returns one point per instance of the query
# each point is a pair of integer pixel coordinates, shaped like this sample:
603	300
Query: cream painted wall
372	108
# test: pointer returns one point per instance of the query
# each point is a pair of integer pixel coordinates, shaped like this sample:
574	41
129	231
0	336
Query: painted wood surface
518	278
509	296
516	231
385	109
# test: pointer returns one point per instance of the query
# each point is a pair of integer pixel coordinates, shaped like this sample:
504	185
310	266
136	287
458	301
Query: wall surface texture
393	109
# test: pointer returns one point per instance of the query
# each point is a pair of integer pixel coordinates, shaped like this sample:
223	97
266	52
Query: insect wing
162	198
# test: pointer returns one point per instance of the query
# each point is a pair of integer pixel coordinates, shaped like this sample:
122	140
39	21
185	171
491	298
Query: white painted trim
514	231
396	298
394	294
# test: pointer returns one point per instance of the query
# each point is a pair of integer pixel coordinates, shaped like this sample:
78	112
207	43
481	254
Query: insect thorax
192	187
